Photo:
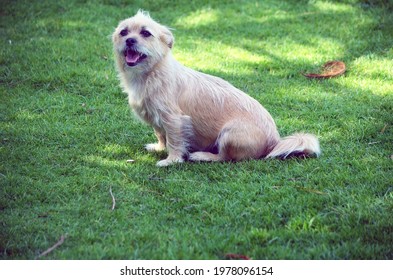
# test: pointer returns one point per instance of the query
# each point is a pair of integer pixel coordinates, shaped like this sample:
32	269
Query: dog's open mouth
133	57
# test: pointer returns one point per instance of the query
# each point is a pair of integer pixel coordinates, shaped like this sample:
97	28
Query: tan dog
194	115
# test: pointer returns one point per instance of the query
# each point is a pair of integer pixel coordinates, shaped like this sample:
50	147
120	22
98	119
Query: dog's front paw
154	147
169	161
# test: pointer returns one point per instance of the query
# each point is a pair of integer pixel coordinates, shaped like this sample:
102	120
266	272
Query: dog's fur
195	116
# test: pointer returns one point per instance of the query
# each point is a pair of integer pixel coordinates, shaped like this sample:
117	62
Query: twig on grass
46	252
113	198
311	190
383	129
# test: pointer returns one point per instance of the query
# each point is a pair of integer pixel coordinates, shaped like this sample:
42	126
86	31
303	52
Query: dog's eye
124	32
145	33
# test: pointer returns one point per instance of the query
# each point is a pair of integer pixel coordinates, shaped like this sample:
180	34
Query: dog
195	116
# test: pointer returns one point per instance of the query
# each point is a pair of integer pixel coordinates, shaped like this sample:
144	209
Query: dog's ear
167	37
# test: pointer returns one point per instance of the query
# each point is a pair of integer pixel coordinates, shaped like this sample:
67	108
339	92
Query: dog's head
140	42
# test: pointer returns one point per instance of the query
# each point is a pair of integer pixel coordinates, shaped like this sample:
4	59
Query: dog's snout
130	42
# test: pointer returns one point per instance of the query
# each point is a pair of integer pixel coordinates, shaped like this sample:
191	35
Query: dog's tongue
132	56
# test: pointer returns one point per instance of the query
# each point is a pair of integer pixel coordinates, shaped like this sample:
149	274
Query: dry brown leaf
330	69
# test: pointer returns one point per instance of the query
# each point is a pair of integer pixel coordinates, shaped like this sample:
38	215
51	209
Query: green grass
66	132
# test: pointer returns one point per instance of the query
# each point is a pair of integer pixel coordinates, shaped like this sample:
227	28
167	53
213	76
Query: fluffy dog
195	116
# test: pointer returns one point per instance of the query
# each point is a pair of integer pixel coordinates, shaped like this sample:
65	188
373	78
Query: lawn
66	133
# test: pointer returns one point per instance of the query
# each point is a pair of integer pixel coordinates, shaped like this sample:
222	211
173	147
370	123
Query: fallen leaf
330	69
236	257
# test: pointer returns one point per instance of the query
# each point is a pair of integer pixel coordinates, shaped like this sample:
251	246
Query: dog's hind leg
205	156
238	140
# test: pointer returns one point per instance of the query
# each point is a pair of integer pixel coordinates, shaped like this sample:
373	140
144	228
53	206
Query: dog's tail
298	144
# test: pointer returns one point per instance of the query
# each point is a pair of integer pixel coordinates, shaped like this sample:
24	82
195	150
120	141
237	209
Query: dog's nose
130	42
